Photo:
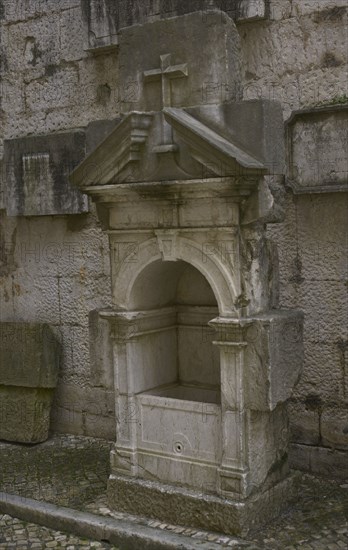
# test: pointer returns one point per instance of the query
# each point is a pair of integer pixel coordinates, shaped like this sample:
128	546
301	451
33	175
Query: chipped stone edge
124	534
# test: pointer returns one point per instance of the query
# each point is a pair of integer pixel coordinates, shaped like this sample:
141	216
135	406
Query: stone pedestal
181	506
29	360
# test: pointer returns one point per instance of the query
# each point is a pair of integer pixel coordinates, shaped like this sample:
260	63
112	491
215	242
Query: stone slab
36	171
24	414
29	355
255	125
97	131
273	354
318	150
274	357
214	51
194	509
104	18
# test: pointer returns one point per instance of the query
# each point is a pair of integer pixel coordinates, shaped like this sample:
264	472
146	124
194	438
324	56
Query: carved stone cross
166	73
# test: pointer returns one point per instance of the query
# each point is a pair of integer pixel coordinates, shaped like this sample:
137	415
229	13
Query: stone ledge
121	533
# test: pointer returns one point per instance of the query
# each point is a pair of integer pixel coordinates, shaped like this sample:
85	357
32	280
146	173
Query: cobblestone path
65	470
19	534
72	471
318	520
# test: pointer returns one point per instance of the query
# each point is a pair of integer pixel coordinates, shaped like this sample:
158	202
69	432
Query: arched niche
224	284
172	352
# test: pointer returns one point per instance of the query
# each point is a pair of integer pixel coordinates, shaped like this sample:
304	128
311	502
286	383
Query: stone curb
126	535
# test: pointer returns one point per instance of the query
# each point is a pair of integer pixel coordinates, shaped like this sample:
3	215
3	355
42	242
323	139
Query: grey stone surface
29	363
125	535
274	358
313	270
16	533
318	150
256	125
25	414
212	423
85	411
167	503
97	131
72	471
104	18
54	87
210	55
64	470
36	176
29	355
319	460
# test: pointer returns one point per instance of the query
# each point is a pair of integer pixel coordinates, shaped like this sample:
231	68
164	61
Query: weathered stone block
33	44
97	131
318	154
214	51
334	428
268	439
65	420
28	373
195	509
24	413
104	18
304	423
71	38
319	460
56	90
256	125
100	351
274	358
28	355
37	170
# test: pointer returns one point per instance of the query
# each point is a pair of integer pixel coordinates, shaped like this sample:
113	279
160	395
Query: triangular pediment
167	145
120	148
209	147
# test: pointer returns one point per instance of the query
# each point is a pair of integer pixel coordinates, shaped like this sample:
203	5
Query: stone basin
179	432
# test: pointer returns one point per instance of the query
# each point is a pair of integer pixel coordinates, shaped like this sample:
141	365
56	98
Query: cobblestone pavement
318	520
19	534
65	470
72	471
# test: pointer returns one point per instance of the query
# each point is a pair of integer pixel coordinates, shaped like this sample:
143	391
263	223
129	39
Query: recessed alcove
172	341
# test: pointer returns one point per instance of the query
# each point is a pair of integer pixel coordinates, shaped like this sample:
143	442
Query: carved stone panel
35	175
318	150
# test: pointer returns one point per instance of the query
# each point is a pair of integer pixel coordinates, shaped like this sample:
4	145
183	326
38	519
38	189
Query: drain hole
178	448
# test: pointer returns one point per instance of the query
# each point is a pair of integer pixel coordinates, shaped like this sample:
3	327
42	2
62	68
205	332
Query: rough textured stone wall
299	57
55	269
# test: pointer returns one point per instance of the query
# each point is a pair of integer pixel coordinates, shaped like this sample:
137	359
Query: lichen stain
335	13
31	51
83	274
77	222
16	289
330	60
4	289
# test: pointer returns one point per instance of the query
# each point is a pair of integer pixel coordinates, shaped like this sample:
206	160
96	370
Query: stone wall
55	268
299	58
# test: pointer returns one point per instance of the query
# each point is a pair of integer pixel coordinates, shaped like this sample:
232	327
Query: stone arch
178	248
